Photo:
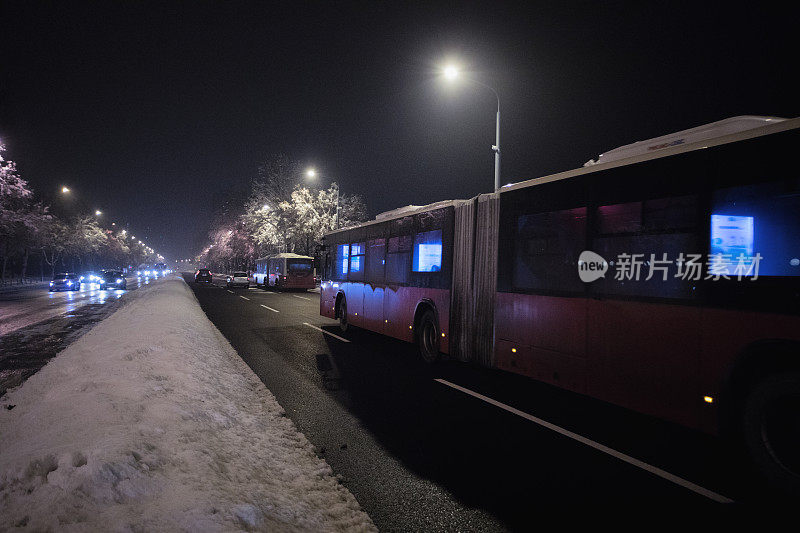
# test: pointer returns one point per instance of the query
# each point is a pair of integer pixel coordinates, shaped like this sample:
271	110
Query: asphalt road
422	455
36	324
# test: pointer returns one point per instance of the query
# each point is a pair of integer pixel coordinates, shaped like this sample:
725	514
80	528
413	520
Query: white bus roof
400	212
285	255
721	132
773	125
700	133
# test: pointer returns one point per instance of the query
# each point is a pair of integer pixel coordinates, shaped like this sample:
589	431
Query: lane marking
271	309
245	297
326	332
229	291
301	297
597	446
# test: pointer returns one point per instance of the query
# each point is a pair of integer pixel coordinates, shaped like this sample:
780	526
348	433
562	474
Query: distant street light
312	175
98	213
451	72
64	190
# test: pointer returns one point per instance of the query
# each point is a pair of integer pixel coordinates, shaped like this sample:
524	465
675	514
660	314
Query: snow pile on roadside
151	421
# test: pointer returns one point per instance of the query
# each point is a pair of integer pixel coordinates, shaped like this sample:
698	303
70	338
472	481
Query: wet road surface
36	324
456	447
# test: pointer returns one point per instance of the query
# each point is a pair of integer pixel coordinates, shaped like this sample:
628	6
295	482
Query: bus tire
342	314
771	430
427	337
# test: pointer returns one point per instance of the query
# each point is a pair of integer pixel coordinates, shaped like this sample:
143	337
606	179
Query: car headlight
119	280
51	283
102	281
69	283
81	277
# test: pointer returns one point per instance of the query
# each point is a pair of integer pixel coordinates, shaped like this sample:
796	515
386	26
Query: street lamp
98	212
65	190
312	175
451	72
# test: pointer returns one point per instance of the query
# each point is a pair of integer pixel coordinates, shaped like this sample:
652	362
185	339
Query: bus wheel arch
765	382
427	331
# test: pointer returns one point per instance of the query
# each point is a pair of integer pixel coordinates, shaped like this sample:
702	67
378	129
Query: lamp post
312	174
451	72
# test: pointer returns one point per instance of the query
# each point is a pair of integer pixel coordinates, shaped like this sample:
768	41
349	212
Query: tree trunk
25	263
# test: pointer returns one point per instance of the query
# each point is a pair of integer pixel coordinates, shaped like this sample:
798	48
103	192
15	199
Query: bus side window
546	250
398	259
644	239
756	219
376	260
356	272
341	263
427	255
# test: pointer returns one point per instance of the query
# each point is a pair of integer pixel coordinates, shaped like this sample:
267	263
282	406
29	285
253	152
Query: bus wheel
428	337
343	314
772	429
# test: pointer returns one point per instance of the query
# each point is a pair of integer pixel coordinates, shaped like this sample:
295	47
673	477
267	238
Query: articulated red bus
285	271
664	278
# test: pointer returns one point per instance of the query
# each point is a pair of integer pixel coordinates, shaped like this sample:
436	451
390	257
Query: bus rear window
299	266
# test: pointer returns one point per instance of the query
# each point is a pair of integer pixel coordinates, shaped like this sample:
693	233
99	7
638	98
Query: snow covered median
151	421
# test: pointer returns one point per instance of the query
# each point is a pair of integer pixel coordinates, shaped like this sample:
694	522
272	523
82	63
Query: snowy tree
15	219
54	242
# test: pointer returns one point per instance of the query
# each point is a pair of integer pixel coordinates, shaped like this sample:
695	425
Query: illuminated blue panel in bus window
732	236
356	263
427	252
344	254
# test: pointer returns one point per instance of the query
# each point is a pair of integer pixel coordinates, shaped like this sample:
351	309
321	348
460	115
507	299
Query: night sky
155	112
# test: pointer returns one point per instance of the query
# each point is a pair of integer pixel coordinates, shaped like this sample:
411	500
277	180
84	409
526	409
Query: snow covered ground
151	421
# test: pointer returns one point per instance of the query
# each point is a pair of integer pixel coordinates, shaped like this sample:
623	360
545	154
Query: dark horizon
156	112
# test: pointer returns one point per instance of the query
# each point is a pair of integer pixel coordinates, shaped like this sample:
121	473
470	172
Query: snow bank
151	421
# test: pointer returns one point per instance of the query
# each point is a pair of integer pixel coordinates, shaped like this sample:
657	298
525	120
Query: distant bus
664	278
285	271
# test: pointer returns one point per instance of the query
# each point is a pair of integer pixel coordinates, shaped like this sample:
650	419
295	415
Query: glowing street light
98	212
65	190
451	72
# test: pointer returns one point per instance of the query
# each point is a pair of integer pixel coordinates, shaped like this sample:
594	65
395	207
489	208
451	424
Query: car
238	279
113	279
160	269
203	275
90	277
145	269
65	282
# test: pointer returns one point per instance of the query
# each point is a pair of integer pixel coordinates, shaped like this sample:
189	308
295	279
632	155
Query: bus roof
716	133
400	212
285	255
699	139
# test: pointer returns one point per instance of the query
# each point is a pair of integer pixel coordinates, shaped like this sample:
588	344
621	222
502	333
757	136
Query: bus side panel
399	306
373	308
327	299
354	291
646	357
543	337
726	335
